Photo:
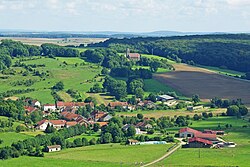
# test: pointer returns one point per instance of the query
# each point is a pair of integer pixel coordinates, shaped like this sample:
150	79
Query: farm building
143	125
196	142
30	109
62	105
132	56
53	148
190	133
164	98
194	108
132	142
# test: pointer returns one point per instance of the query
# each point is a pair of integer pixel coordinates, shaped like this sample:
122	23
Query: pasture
79	77
10	137
98	155
207	84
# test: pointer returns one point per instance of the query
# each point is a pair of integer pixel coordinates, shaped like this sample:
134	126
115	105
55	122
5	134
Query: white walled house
36	103
53	148
49	107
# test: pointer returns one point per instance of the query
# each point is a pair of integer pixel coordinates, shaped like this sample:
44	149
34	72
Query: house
58	124
62	105
70	123
197	142
49	107
82	121
97	115
30	109
146	103
132	142
190	133
133	56
118	103
143	125
105	118
53	148
194	108
164	98
69	116
137	130
35	103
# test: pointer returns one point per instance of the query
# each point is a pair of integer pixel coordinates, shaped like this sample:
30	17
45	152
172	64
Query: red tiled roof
114	104
71	123
198	133
189	130
197	139
41	122
57	122
30	109
69	115
102	123
133	55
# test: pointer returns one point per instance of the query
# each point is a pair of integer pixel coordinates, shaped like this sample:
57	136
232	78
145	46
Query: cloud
238	2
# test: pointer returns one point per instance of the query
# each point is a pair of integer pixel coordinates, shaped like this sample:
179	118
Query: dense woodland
224	51
10	49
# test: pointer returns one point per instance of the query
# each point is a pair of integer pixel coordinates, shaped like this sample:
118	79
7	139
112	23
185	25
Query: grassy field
223	71
158	57
80	78
238	156
88	137
99	155
191	80
10	137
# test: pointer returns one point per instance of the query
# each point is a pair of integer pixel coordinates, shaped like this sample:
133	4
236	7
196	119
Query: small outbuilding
196	142
53	148
132	142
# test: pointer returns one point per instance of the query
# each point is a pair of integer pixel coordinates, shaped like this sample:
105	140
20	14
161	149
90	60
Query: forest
228	51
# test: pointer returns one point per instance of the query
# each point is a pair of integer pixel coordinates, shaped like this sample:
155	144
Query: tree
232	110
85	141
196	117
78	142
96	127
92	141
195	98
49	129
152	97
58	86
248	75
20	128
119	90
134	84
139	116
36	116
243	110
131	131
139	93
106	138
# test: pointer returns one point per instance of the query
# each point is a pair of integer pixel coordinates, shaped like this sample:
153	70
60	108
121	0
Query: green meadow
80	77
98	155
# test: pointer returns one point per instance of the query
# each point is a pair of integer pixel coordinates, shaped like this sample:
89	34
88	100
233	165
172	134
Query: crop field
207	84
58	41
79	77
98	155
238	156
171	113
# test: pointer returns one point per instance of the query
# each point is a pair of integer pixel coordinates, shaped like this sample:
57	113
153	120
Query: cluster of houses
205	139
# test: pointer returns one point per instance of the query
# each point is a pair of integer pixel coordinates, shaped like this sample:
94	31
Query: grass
158	57
65	96
98	155
88	137
238	156
151	85
10	137
223	71
80	78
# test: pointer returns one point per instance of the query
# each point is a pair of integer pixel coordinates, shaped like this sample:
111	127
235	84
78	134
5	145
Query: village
68	117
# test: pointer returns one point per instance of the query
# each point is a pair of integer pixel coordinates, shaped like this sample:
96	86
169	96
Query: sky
126	15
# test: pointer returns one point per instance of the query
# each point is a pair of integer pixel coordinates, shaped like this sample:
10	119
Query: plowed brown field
207	84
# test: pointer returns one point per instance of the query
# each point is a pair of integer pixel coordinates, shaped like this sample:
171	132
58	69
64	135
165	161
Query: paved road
164	156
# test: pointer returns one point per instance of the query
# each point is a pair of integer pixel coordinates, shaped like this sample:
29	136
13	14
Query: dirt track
192	80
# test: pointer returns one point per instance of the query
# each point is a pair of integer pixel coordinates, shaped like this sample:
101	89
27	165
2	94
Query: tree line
224	51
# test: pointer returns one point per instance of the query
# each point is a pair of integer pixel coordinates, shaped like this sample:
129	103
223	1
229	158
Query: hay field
58	41
190	80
